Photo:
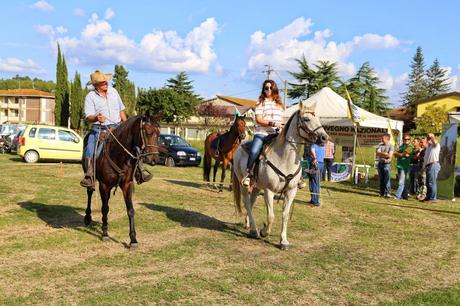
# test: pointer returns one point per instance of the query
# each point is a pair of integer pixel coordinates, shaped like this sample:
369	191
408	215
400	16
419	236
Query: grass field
354	249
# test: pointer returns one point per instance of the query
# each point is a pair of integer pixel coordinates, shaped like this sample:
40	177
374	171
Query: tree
17	82
213	114
437	80
432	119
364	90
173	106
125	88
61	109
311	80
182	85
76	102
416	84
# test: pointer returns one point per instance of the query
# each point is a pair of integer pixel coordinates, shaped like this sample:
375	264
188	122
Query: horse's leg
249	200
89	192
207	164
216	166
231	177
268	197
128	196
288	198
222	175
104	190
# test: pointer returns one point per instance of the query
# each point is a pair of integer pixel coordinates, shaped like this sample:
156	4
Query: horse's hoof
88	220
284	247
263	233
253	235
105	238
220	191
133	245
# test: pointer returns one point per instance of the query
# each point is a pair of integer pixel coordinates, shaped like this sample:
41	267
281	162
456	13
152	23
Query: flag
390	131
353	111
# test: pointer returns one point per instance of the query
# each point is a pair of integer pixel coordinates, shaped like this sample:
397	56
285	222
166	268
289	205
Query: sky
224	46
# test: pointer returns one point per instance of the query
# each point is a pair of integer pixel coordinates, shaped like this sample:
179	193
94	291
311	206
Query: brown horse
135	140
221	147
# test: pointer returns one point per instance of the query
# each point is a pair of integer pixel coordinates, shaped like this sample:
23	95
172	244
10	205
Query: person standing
403	156
103	109
384	153
432	166
421	179
268	120
328	159
316	160
414	167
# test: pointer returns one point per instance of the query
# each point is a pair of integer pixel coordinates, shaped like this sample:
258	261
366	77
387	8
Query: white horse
279	170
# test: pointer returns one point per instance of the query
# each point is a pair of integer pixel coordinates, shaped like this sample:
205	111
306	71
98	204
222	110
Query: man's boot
142	174
87	181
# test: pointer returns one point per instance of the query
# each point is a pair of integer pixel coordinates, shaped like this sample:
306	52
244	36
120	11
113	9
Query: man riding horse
105	110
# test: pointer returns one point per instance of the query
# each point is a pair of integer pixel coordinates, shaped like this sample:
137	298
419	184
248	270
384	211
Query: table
361	169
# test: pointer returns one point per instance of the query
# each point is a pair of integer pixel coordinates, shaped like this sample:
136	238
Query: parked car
15	143
178	152
10	130
40	142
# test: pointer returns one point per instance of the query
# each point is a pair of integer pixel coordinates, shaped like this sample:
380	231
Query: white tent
332	110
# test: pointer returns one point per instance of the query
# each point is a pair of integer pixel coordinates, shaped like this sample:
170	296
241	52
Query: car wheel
31	156
169	162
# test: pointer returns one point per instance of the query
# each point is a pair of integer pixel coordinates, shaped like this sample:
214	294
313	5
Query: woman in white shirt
269	118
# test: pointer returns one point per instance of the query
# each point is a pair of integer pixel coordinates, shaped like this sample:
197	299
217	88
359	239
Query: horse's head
309	126
239	126
149	137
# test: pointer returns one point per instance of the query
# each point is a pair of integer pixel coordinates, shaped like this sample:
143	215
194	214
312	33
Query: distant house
451	100
26	106
219	118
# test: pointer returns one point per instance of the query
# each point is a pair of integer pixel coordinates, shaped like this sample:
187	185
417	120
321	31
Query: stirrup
87	182
246	181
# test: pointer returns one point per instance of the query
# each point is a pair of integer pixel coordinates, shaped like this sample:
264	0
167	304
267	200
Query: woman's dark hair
275	93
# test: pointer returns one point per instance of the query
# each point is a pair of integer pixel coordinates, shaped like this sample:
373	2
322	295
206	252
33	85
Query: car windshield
175	141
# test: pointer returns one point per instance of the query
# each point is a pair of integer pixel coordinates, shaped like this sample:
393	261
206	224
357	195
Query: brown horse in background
221	147
135	140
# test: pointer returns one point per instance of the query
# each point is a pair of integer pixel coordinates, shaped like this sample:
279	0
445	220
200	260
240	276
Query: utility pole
268	71
285	92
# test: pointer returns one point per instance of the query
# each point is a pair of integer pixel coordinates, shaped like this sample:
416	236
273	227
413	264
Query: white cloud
454	77
99	44
109	13
16	65
282	47
42	5
49	30
79	12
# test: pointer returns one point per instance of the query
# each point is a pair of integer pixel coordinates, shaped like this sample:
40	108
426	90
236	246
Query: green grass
355	249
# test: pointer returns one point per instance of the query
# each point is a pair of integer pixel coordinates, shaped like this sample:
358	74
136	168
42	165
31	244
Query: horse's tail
207	163
236	186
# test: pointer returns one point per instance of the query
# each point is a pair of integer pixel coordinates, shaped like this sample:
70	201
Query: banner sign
340	172
367	136
446	176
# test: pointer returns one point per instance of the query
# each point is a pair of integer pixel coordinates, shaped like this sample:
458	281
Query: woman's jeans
432	171
256	147
401	192
314	184
384	178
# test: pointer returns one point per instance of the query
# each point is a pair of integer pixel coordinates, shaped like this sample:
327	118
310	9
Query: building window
13	112
457	109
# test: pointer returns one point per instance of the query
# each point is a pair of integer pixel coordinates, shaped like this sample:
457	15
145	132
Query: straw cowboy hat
98	77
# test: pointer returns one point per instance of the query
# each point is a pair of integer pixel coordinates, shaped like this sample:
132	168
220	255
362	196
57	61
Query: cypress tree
437	80
125	88
76	102
61	109
58	99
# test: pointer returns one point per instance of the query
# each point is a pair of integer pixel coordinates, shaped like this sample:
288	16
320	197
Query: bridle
301	125
142	152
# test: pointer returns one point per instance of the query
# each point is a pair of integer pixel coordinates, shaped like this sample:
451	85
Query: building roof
25	93
453	93
239	101
400	113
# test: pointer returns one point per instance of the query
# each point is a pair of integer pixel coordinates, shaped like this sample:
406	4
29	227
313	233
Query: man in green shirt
403	155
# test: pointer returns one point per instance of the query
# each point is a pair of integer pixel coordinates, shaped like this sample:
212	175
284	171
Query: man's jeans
256	147
432	171
384	178
92	138
314	184
401	192
413	179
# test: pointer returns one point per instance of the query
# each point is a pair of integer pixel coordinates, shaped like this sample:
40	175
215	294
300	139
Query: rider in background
269	118
104	109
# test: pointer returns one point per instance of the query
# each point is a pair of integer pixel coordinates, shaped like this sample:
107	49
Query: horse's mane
123	131
282	135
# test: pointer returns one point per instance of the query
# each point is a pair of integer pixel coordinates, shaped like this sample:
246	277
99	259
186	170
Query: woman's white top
270	111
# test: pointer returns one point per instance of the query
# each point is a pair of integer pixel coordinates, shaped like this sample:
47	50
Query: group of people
417	164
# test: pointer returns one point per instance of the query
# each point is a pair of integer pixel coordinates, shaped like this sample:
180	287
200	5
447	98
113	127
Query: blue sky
224	45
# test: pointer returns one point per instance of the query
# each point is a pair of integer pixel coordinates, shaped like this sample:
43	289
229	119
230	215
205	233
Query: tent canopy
332	110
